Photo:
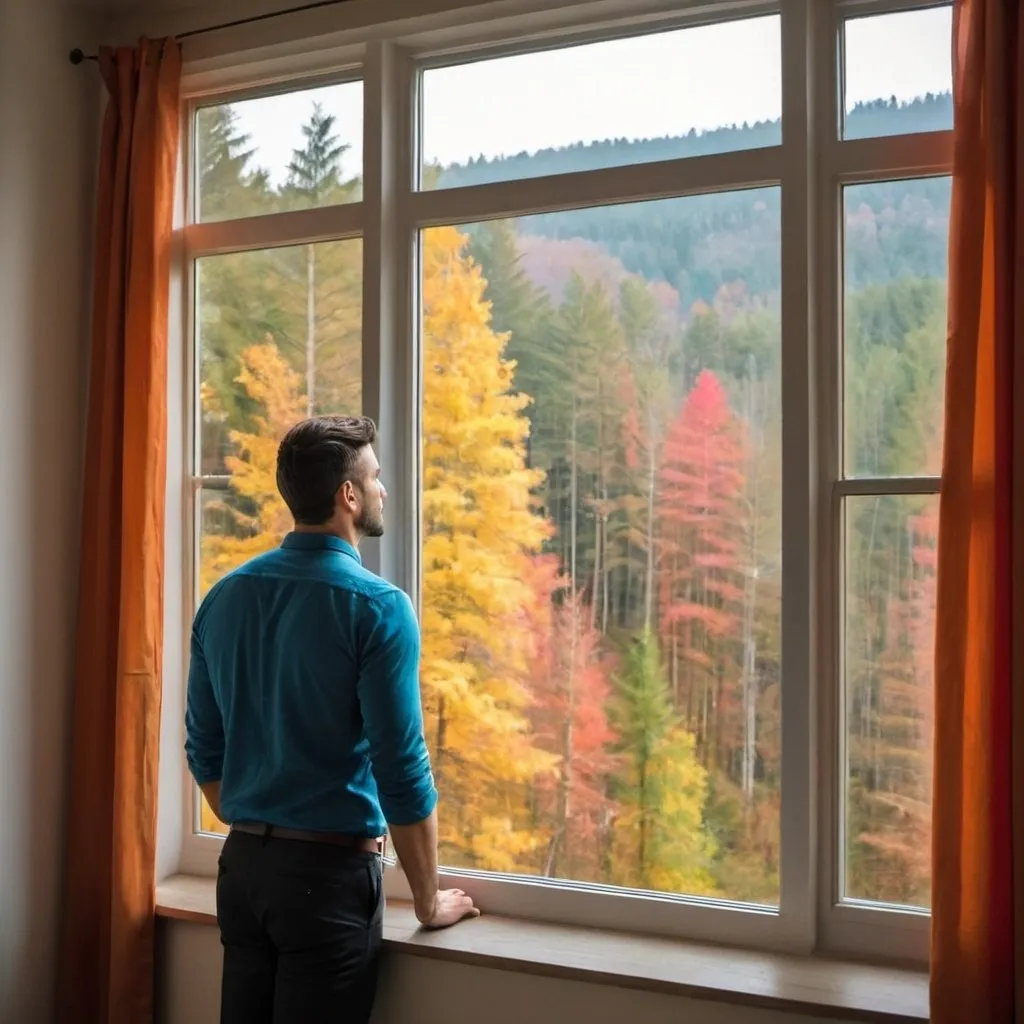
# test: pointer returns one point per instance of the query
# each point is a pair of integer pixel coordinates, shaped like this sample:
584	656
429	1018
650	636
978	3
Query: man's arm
389	698
211	790
204	728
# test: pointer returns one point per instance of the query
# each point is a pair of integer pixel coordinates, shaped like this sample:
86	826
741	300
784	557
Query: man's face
370	519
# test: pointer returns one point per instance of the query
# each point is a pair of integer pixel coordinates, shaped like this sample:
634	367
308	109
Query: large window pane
292	151
656	97
279	337
889	640
896	243
601	564
278	334
898	74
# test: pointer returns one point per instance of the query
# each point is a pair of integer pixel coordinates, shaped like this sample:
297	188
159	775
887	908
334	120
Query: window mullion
828	346
892	157
266	231
799	763
389	385
696	175
887	485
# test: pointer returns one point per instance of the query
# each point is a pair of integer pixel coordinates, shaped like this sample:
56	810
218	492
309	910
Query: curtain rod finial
76	56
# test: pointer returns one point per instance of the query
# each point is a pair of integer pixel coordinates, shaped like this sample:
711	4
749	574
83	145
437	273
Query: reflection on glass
602	543
898	74
889	640
291	151
710	89
895	331
279	338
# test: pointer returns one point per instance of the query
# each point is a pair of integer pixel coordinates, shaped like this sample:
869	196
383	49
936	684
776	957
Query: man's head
329	476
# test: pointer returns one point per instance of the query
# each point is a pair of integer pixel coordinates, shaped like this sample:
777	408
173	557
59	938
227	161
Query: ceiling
121	7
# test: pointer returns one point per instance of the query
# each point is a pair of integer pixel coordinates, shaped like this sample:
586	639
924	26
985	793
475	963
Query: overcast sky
645	87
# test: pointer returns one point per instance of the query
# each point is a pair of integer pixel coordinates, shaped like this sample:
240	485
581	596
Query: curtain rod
77	56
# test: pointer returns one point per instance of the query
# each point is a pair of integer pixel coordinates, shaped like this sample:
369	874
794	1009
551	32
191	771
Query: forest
601	500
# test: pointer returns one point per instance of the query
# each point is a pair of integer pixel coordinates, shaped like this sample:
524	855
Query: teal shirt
303	694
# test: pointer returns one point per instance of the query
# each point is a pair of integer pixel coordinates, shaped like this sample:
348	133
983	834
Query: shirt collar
319	542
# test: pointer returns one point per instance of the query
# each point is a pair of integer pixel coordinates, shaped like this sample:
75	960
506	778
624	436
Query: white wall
47	136
415	989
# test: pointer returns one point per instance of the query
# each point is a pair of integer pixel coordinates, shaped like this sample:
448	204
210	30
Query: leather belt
342	839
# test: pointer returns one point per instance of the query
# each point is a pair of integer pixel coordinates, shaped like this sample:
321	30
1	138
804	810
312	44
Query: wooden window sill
826	988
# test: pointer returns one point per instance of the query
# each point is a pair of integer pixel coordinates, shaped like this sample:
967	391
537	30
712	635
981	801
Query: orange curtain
978	818
106	963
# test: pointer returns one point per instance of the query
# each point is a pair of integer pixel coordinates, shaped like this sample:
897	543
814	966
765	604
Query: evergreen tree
314	180
661	842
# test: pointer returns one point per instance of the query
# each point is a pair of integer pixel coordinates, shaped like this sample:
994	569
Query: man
305	734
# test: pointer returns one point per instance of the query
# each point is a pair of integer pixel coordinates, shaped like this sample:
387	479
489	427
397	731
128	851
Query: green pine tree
661	839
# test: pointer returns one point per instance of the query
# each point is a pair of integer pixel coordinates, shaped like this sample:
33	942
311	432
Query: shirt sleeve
204	728
389	699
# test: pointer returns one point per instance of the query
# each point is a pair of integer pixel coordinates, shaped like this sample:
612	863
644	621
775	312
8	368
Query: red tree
701	518
570	683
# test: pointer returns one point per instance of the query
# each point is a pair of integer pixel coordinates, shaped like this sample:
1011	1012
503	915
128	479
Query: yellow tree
480	528
255	518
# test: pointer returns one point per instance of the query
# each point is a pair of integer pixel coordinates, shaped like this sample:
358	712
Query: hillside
699	244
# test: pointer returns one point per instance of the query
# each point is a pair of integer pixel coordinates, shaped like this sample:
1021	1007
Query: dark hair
315	458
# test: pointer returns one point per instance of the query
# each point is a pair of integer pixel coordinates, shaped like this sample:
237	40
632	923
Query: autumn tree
570	682
700	561
254	517
480	530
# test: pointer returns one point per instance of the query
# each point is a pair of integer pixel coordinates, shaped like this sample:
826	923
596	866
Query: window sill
826	988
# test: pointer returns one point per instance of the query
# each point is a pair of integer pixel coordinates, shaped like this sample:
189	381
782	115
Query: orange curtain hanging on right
977	970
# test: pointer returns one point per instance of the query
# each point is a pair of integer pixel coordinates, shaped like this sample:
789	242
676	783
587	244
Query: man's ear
347	493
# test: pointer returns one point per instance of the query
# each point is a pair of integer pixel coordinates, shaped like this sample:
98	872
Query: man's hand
449	907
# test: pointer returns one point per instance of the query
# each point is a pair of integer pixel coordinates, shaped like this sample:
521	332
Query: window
293	151
621	523
582	107
893	376
277	328
660	393
898	74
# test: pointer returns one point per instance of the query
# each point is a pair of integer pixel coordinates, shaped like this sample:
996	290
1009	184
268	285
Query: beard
371	522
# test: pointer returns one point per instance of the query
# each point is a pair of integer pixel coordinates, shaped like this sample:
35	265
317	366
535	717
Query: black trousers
301	925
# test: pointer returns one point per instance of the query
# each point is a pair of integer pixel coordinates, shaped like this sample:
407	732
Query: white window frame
811	165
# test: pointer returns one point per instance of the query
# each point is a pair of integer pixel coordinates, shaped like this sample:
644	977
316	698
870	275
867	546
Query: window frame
811	165
848	926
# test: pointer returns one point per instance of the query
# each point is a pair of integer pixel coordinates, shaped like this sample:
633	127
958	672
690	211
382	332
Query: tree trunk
651	467
561	837
598	529
642	849
749	609
605	576
439	748
573	498
310	329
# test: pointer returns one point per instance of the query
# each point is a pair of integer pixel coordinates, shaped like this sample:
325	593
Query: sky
644	87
